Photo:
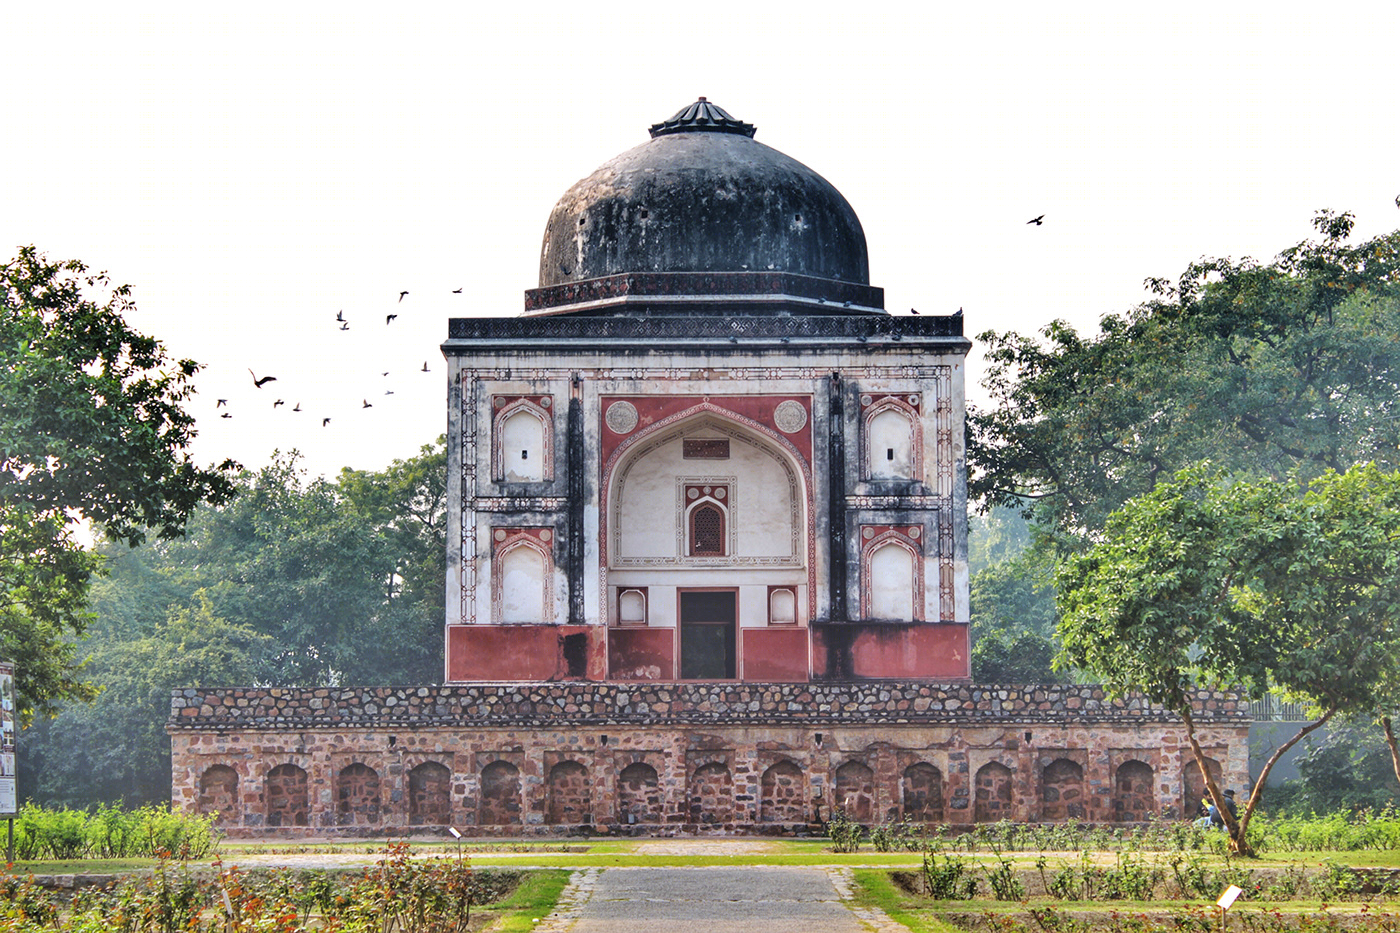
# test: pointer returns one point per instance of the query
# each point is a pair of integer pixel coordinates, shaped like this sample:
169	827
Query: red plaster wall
908	652
774	655
512	652
641	654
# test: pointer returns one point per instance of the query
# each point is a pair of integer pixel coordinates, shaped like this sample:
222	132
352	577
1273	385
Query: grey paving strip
713	900
571	902
843	880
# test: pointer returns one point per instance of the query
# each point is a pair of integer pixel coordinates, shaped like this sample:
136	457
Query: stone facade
501	759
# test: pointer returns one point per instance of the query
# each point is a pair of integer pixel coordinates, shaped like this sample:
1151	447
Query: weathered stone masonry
690	758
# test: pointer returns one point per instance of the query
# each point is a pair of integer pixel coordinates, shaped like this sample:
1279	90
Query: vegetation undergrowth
399	894
112	832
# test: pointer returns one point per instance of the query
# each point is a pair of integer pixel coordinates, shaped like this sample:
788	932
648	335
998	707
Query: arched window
707	531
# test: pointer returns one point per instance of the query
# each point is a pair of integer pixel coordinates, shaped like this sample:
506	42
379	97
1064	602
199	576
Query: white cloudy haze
255	169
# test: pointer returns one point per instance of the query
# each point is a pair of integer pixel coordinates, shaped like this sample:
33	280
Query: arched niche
638	794
500	794
922	791
430	795
357	796
782	794
218	794
1132	792
892	581
992	785
523	573
522	448
891	431
855	791
1062	791
287	801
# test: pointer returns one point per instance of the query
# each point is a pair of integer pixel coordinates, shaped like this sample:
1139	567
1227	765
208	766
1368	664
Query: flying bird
224	402
383	374
389	392
1036	220
401	294
263	381
345	326
226	415
388	318
425	367
912	311
325	421
278	402
364	403
340	315
298	408
458	291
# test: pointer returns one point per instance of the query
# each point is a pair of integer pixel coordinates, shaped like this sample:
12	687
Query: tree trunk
1390	741
1238	827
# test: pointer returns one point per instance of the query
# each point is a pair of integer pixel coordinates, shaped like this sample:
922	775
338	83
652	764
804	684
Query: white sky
252	170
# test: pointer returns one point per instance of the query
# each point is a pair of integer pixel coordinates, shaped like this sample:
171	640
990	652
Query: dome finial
702	117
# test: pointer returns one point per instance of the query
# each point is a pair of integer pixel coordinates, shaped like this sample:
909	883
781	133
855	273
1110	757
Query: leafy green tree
117	749
92	428
1348	769
1200	582
1265	369
298	580
1014	657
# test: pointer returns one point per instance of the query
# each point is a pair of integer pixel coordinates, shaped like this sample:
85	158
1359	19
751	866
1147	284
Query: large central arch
759	493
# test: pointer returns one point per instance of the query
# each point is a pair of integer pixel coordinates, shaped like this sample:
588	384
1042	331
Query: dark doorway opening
707	634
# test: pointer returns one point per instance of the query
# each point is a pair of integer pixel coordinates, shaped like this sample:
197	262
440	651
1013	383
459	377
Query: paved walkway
712	900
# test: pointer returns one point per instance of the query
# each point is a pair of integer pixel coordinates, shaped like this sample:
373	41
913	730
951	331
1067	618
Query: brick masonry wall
497	759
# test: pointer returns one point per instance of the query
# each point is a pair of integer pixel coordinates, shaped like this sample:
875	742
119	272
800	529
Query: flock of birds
259	382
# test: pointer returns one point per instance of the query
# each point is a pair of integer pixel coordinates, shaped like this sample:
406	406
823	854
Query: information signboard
8	800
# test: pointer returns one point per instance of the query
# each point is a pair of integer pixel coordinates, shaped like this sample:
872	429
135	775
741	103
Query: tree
1264	369
1253	584
116	748
92	429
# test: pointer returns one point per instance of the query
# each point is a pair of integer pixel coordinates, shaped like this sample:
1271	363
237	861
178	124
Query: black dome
703	197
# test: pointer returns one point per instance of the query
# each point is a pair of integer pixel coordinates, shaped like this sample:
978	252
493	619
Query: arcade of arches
639	781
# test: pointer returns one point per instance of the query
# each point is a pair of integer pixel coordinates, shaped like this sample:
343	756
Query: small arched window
707	531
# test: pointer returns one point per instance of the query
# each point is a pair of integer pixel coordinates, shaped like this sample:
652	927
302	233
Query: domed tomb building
707	557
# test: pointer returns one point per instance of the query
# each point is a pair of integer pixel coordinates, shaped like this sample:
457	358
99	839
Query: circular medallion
546	402
867	533
498	402
692	493
500	534
790	417
866	400
914	400
546	535
719	492
915	532
621	417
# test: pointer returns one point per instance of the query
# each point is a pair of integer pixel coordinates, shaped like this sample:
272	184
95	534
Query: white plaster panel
892	583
